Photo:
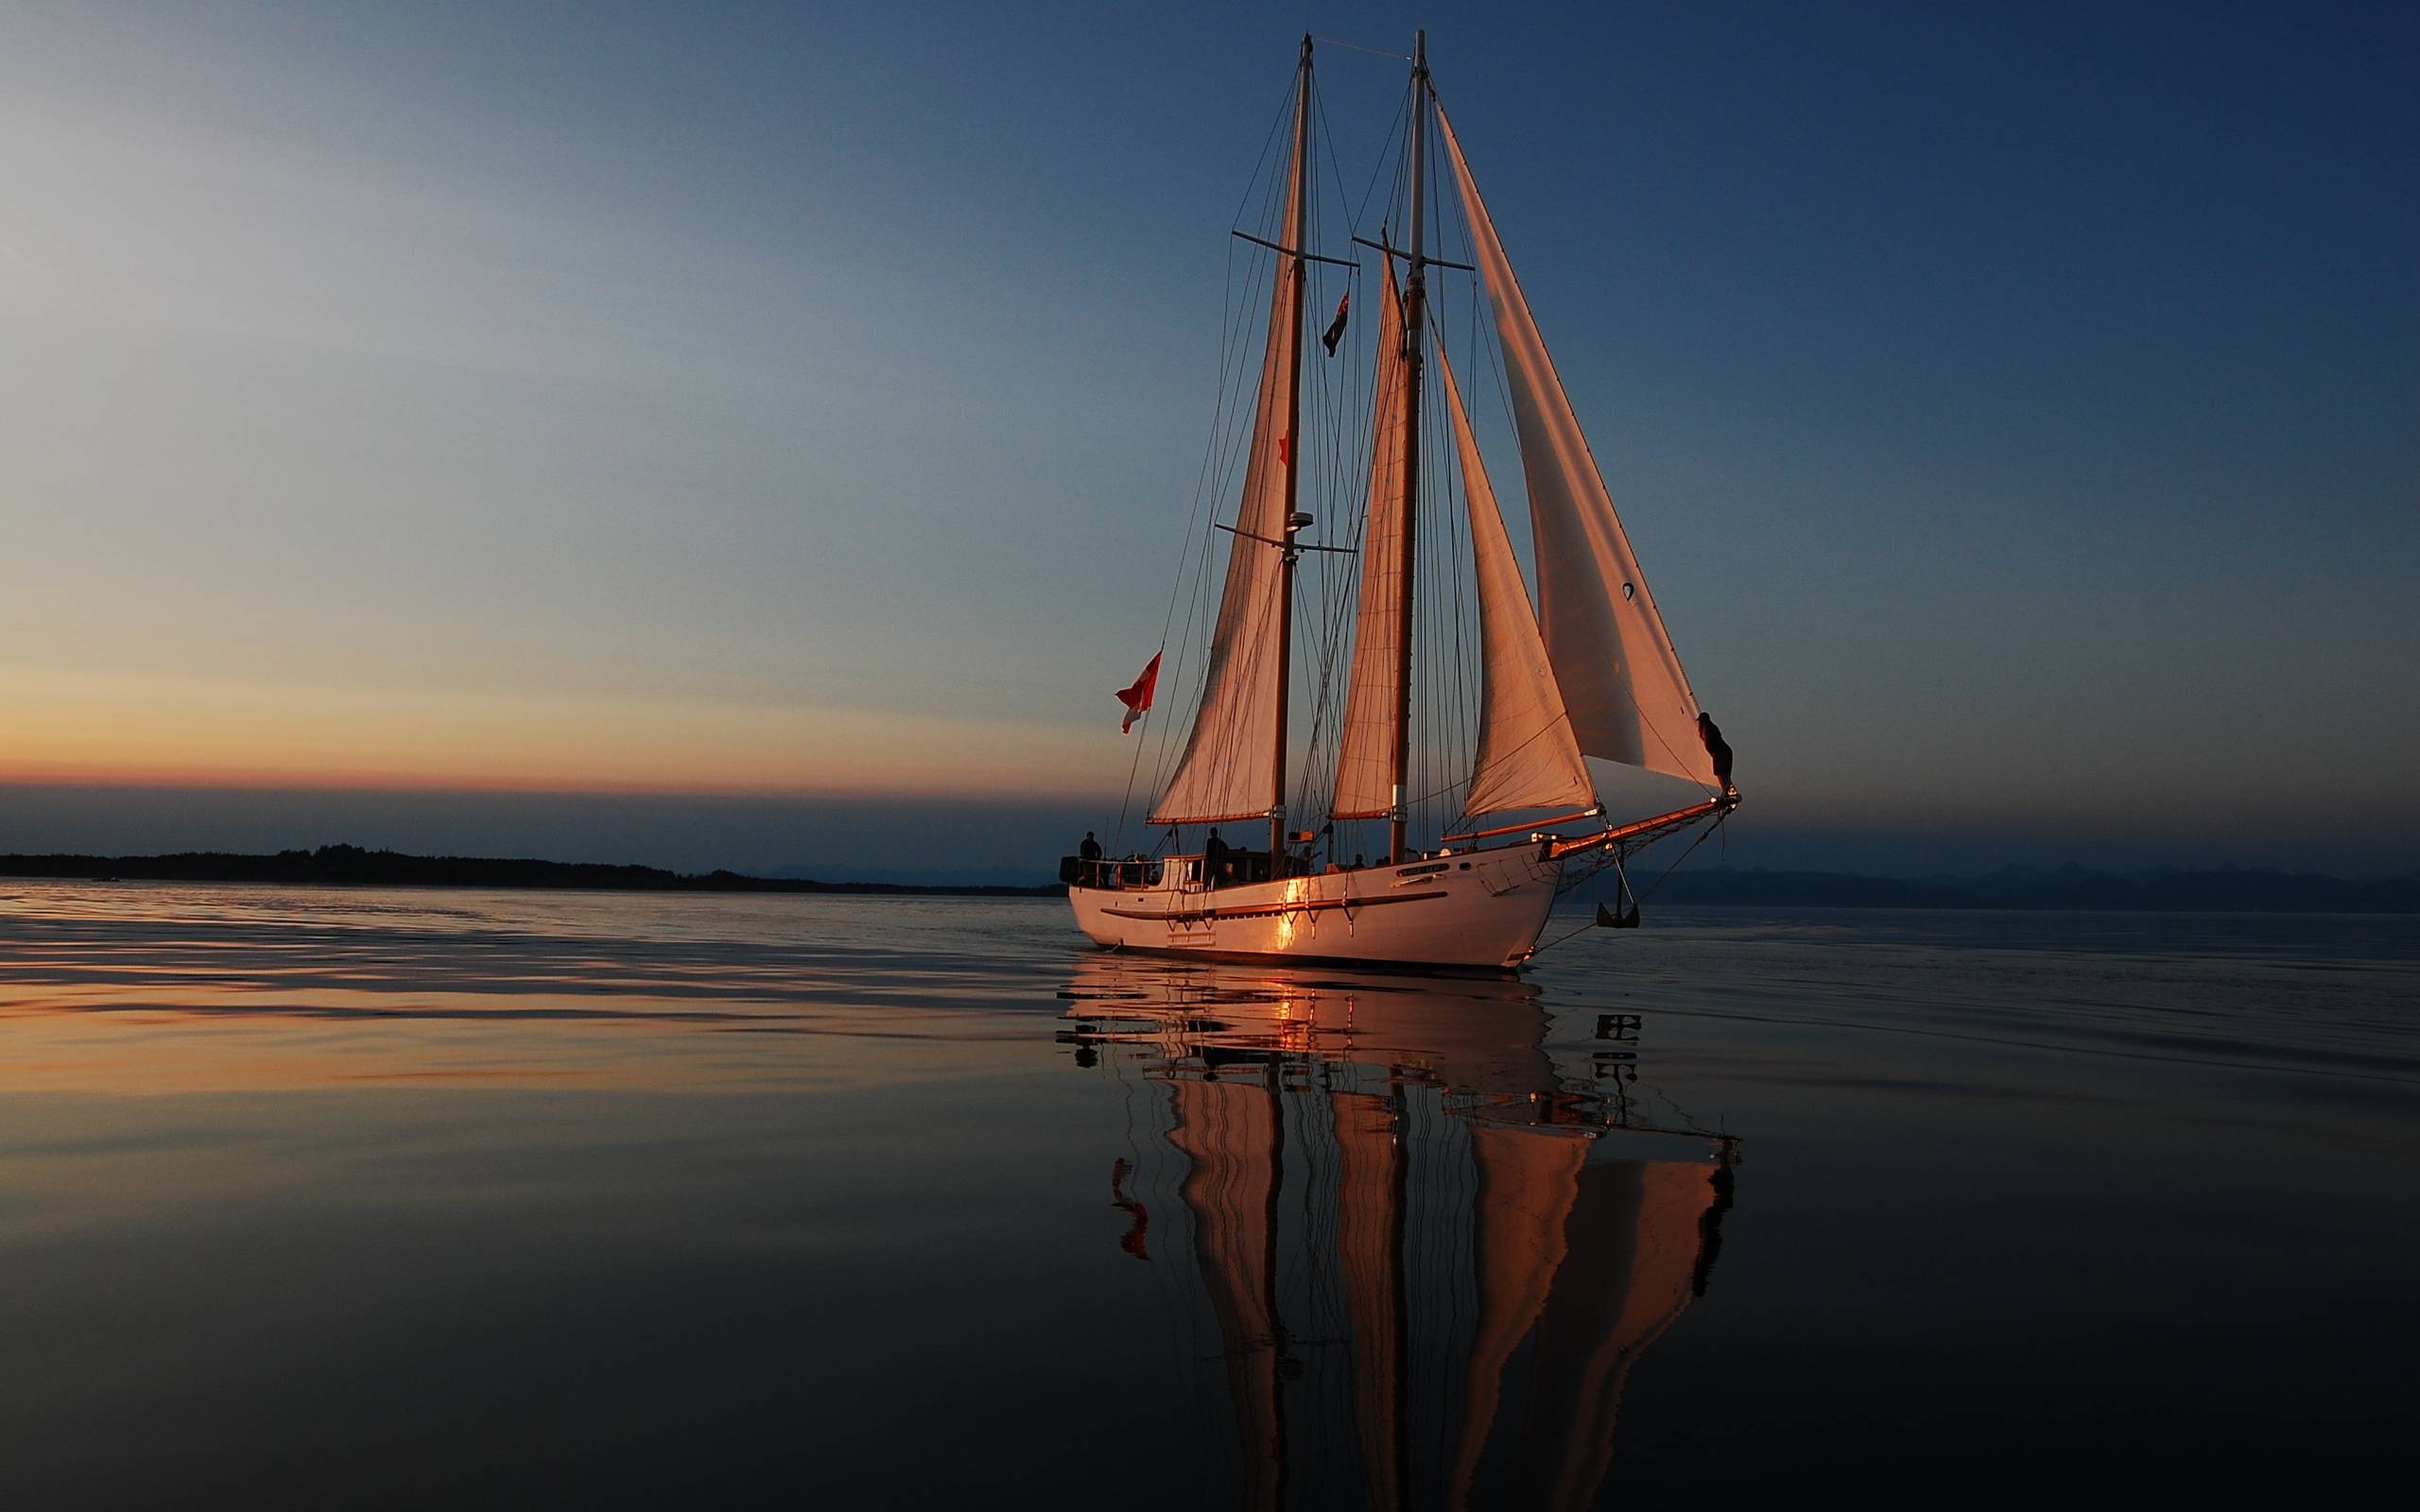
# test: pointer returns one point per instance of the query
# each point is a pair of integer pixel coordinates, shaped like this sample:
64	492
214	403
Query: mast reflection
1431	1252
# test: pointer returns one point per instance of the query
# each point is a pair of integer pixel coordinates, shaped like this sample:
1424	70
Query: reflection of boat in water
1432	1253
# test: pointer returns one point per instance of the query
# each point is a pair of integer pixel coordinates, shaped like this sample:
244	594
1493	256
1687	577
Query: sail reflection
1432	1248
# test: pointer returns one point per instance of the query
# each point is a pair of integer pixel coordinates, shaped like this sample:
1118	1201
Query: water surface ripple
389	1197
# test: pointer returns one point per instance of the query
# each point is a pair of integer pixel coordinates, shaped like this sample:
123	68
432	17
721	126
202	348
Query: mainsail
1229	769
1527	756
1621	681
1364	762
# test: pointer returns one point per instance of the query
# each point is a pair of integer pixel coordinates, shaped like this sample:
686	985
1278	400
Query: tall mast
1415	321
1296	272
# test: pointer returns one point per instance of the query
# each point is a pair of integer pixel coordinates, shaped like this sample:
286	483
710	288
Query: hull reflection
1427	1248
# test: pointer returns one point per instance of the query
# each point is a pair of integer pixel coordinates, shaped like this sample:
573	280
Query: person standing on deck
1717	747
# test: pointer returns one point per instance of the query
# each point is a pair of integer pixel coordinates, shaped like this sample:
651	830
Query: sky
763	434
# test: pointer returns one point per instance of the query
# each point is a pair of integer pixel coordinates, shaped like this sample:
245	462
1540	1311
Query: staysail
1229	768
1365	754
1527	755
1621	681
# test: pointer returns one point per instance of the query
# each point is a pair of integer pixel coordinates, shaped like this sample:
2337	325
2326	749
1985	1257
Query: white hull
1482	909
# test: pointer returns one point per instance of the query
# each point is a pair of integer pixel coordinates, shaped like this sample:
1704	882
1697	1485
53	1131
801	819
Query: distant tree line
2220	889
343	865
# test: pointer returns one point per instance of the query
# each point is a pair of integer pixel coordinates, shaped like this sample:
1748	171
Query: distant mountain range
2224	889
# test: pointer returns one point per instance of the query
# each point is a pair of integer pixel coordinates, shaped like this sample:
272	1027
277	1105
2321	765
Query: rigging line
1386	155
1134	769
1269	143
1537	950
1328	138
1702	836
1356	47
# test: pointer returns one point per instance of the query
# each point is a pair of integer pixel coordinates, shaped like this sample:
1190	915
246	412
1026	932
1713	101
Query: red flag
1138	697
1336	327
1284	451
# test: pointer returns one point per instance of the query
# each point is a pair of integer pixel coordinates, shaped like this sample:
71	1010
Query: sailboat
1430	1248
1590	671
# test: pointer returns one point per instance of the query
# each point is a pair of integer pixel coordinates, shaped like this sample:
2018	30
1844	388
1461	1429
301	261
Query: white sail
1230	767
1621	681
1528	757
1589	672
1365	754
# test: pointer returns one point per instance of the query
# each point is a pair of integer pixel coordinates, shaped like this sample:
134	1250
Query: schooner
1590	671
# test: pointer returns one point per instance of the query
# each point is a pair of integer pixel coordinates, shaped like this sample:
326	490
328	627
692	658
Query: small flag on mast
1336	327
1137	698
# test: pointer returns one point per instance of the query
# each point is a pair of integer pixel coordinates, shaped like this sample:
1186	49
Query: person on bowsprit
1717	747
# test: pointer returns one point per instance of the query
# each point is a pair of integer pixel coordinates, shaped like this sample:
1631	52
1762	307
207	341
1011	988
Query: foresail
1527	755
1365	755
1229	770
1621	681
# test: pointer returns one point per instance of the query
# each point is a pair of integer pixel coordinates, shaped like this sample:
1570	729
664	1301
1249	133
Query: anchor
1624	913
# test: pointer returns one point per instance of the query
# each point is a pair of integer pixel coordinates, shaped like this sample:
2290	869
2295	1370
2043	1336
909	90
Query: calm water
398	1197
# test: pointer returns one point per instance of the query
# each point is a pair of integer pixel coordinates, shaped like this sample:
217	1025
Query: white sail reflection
1431	1249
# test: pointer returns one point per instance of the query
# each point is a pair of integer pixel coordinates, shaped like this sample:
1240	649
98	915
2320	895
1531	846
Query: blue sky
2017	412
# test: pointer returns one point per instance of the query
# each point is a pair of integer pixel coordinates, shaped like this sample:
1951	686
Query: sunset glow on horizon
172	731
941	754
810	404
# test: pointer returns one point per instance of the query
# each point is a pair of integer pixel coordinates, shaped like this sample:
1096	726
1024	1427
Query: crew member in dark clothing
1089	849
1214	856
1717	747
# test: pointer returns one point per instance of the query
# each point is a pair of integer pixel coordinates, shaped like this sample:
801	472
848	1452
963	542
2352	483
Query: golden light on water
246	990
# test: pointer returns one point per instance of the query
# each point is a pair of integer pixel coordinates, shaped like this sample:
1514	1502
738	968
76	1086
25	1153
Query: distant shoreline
2070	888
346	866
2220	889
